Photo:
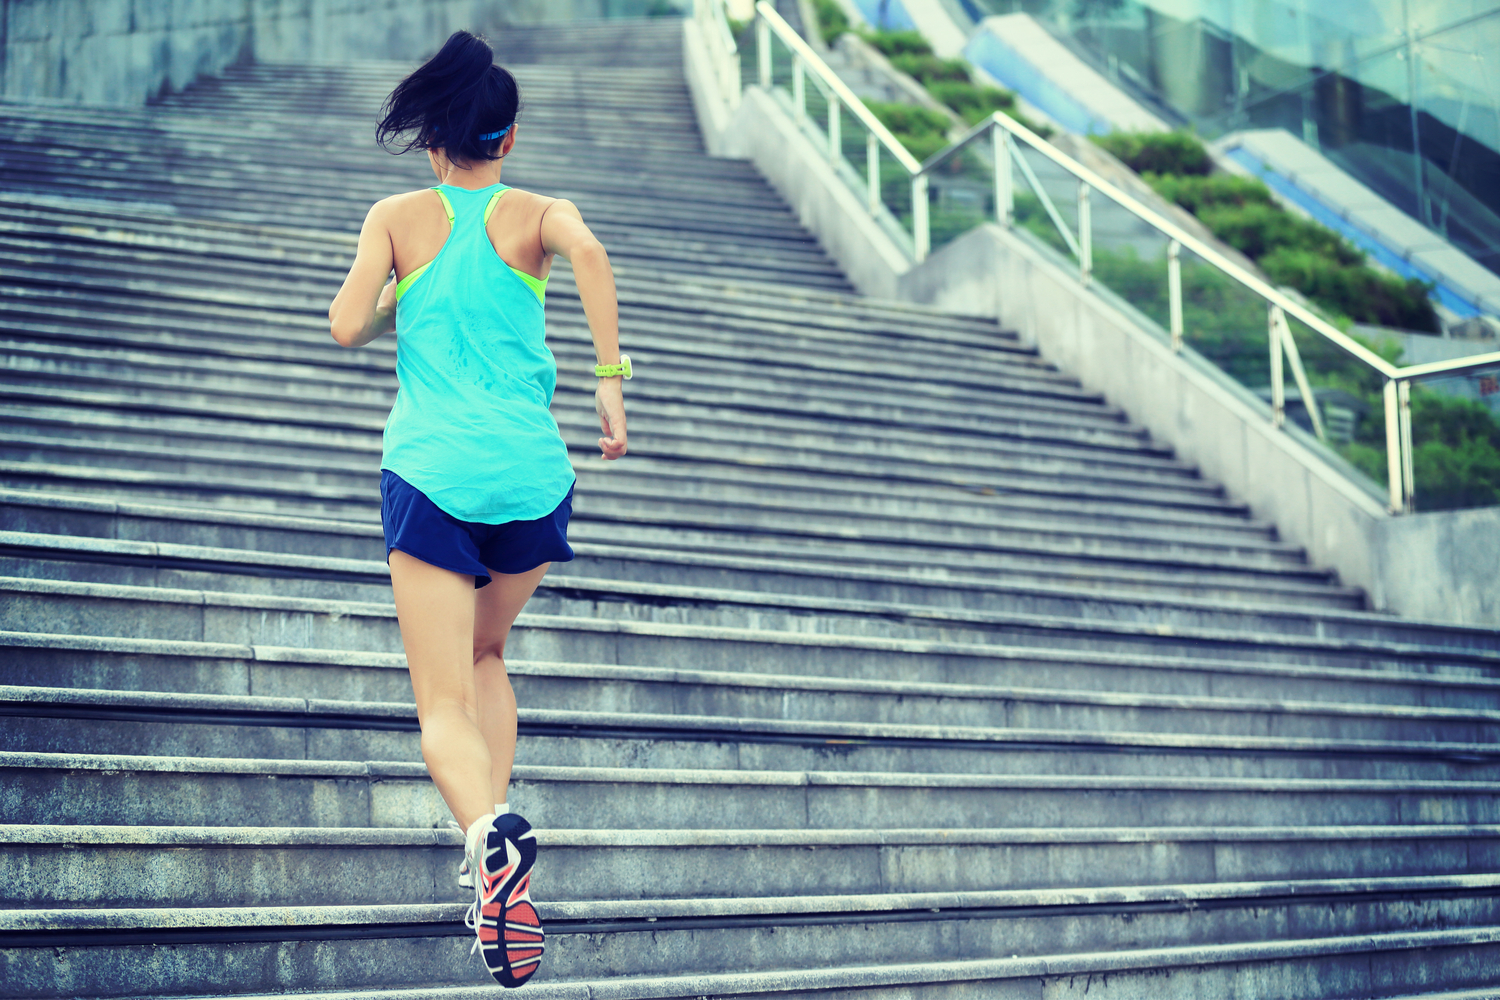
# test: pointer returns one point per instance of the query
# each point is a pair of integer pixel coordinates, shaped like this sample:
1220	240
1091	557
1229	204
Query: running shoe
507	930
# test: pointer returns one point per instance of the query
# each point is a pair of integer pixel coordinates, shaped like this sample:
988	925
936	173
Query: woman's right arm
365	307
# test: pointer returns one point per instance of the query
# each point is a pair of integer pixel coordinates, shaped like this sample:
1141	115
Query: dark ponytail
456	97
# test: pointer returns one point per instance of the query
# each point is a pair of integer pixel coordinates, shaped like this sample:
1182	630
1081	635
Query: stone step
628	604
394	945
114	867
571	618
809	315
48	788
293	574
123	663
84	379
683	499
821	373
598	716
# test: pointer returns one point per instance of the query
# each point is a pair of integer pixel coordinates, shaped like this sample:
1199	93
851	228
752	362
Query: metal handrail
1004	131
769	21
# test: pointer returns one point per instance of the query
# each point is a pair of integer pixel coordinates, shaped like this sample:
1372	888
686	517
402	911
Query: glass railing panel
782	60
1046	199
1225	322
961	191
1455	428
895	192
1348	397
815	118
1130	259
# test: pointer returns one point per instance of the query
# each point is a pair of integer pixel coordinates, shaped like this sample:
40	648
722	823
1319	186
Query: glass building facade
1403	94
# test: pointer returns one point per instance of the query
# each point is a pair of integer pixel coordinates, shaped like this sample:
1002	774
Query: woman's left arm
365	307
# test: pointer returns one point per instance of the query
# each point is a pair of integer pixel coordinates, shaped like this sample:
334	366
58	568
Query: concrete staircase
893	662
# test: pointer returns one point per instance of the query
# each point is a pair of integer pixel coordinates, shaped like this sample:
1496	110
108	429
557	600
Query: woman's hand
609	401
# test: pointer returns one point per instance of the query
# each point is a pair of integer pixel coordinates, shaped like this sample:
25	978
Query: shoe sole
510	932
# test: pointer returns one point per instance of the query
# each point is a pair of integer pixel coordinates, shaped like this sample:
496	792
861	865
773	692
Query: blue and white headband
484	138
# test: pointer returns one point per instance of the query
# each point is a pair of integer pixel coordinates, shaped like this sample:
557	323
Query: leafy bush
1358	292
832	21
974	103
921	130
1259	229
1294	251
1455	451
898	43
947	80
1158	152
1196	193
929	69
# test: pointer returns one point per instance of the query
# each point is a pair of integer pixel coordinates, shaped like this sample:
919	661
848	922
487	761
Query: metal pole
799	86
1394	479
1408	473
1174	292
872	172
1278	389
1085	234
763	51
835	127
1005	197
921	237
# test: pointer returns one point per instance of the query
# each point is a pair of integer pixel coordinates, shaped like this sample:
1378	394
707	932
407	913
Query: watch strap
610	371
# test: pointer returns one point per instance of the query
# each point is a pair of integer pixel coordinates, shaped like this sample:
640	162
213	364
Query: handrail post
921	236
1408	472
1174	293
872	172
799	87
1393	472
1005	191
1278	387
763	51
1085	234
835	127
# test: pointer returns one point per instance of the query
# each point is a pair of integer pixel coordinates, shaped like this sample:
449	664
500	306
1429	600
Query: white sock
501	808
474	835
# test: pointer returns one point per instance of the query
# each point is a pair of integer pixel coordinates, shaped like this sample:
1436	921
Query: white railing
713	22
1006	136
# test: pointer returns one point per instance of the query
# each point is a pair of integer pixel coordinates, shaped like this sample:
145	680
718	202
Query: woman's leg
495	609
436	610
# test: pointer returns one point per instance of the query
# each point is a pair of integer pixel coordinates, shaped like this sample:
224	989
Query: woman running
475	484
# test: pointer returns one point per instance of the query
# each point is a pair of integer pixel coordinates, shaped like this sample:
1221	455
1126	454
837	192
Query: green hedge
1456	446
1294	251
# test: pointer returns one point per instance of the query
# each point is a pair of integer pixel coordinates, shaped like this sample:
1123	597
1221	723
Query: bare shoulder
401	205
529	201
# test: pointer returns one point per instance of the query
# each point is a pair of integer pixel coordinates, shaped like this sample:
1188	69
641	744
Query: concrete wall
1440	566
126	51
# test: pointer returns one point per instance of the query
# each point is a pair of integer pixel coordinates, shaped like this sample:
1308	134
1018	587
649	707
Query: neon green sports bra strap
447	205
489	209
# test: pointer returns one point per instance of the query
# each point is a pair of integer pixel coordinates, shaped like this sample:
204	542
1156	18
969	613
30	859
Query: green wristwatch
610	371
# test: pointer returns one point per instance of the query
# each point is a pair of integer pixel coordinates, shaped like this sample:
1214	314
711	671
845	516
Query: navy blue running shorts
421	529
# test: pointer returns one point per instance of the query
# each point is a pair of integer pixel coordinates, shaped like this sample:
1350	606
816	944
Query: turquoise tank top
471	427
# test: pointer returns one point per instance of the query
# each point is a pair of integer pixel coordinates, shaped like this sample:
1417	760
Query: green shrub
928	69
1258	229
921	130
1455	451
1358	292
973	104
1294	251
1196	193
1177	152
898	43
832	21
